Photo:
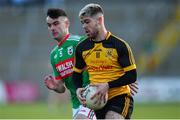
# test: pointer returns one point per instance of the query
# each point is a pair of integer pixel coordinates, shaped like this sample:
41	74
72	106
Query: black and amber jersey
105	61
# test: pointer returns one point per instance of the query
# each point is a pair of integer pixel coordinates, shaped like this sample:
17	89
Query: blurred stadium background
151	27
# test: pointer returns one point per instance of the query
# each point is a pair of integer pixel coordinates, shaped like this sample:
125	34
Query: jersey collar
62	41
108	35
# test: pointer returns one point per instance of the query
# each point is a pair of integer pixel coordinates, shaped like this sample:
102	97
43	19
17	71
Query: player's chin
55	37
88	34
91	36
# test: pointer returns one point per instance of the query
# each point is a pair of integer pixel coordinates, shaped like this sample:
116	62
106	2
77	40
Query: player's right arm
52	84
78	68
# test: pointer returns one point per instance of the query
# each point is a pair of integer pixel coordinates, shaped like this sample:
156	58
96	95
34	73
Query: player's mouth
54	34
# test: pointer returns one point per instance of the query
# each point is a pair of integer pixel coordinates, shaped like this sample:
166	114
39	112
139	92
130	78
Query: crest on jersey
55	56
97	54
70	50
109	53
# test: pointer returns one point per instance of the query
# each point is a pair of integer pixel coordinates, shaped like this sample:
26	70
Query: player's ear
100	19
67	23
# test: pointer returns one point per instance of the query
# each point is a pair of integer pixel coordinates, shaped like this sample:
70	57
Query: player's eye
49	25
86	21
82	22
56	23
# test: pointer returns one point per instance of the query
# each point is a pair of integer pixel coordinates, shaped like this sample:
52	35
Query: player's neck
101	35
62	36
63	39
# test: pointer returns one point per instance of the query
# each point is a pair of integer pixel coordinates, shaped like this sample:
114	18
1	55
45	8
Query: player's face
90	26
57	27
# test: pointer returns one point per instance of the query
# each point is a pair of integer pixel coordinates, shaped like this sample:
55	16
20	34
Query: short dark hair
90	10
56	12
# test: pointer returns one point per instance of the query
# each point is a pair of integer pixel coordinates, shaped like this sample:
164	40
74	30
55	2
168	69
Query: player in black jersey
110	63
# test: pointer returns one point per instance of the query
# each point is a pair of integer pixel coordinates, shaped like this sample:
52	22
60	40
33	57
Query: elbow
133	76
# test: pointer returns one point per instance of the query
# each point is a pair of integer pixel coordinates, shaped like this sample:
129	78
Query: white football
90	103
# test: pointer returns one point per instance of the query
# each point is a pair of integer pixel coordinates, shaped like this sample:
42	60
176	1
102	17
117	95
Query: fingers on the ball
81	98
104	98
101	97
83	101
93	96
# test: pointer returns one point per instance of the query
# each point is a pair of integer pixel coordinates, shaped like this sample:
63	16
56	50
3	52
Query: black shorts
122	104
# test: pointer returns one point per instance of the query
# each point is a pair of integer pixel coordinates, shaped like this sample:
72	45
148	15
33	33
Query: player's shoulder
53	51
118	41
115	38
76	38
84	41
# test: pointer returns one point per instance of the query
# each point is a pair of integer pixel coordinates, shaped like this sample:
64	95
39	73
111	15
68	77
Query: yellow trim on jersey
130	68
118	91
126	107
108	35
77	70
131	57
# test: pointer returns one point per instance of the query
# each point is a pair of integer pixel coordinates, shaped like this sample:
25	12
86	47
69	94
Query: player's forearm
77	79
128	78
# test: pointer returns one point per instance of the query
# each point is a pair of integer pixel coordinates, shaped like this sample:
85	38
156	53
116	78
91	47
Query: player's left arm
126	61
78	68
